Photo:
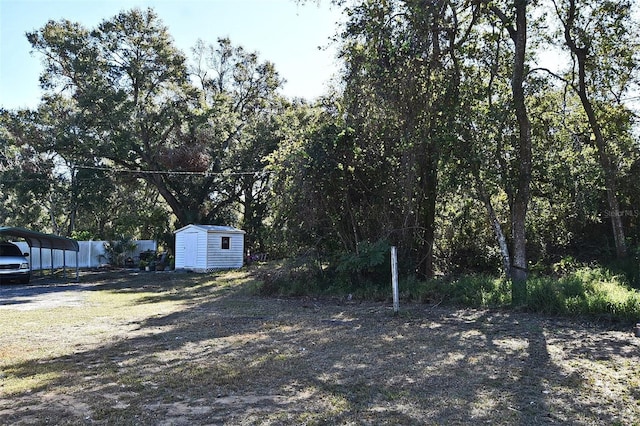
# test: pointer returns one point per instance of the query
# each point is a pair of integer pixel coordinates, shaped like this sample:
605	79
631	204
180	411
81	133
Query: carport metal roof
41	240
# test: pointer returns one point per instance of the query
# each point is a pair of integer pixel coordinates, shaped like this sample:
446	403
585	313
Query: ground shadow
229	357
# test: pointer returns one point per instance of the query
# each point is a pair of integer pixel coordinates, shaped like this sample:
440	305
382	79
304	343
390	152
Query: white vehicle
13	264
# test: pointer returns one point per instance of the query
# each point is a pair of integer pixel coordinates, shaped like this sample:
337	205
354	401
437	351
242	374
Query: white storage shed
203	248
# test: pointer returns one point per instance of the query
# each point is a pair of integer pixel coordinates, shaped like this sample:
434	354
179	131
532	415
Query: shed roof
213	228
39	239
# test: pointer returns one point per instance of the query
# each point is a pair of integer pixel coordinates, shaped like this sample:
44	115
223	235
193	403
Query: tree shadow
231	357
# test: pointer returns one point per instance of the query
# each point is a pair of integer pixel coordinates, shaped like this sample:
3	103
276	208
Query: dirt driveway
41	295
170	349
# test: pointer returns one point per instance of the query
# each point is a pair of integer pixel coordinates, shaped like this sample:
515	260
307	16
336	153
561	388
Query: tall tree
132	98
24	174
402	87
602	39
239	93
516	25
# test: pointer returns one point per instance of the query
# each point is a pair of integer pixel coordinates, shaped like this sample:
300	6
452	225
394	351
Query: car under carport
40	240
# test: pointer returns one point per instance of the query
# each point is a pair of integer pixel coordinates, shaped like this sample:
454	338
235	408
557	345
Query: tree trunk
501	238
184	217
523	175
604	157
429	191
609	175
522	195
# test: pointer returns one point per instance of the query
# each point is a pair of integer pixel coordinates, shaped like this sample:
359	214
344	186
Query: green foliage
628	267
586	291
417	149
82	235
117	251
589	292
365	274
366	267
121	94
593	292
566	265
475	291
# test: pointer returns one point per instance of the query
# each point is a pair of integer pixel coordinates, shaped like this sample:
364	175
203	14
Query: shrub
478	291
367	268
292	277
586	291
117	251
545	295
468	290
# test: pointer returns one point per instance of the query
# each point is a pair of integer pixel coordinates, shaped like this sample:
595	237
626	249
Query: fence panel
91	255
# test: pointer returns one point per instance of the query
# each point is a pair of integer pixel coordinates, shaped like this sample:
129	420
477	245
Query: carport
44	241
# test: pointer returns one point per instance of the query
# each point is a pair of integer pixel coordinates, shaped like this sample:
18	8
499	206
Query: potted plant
128	262
143	264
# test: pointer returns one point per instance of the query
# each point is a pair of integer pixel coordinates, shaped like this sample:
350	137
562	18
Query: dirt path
41	296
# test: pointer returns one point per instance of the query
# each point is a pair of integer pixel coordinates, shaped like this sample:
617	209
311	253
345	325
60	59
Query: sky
295	37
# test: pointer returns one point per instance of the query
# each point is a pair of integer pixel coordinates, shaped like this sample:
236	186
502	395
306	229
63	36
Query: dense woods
455	136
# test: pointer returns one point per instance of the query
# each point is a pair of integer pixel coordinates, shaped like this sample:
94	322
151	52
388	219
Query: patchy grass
169	348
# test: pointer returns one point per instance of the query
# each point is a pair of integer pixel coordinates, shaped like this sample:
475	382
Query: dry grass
168	348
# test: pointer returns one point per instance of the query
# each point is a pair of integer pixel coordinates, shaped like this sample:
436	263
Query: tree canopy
446	139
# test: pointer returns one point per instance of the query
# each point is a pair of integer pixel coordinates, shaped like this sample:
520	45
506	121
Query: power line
132	171
173	172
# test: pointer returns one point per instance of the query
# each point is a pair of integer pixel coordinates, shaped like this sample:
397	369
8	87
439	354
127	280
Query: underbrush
587	291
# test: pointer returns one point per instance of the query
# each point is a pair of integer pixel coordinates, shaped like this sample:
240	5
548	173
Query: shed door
190	249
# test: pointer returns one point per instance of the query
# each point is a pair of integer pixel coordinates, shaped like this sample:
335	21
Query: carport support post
394	279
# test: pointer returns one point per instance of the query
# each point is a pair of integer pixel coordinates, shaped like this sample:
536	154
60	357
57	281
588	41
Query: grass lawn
175	348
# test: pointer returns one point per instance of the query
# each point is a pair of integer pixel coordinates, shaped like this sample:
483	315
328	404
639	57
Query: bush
367	268
544	295
468	290
587	291
292	277
629	268
478	291
117	251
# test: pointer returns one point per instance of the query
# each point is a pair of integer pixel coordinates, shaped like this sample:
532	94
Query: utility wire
173	172
131	171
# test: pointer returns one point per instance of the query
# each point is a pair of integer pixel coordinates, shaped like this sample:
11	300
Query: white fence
91	255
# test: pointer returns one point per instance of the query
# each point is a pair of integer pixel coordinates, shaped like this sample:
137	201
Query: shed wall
219	258
209	253
178	253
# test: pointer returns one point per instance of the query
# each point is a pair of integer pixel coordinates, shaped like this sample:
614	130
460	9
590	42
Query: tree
239	93
49	182
603	42
516	26
24	174
131	96
402	95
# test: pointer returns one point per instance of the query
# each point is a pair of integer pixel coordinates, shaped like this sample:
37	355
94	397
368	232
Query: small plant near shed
142	264
118	251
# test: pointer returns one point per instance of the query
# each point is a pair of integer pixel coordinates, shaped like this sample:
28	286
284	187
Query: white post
394	279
